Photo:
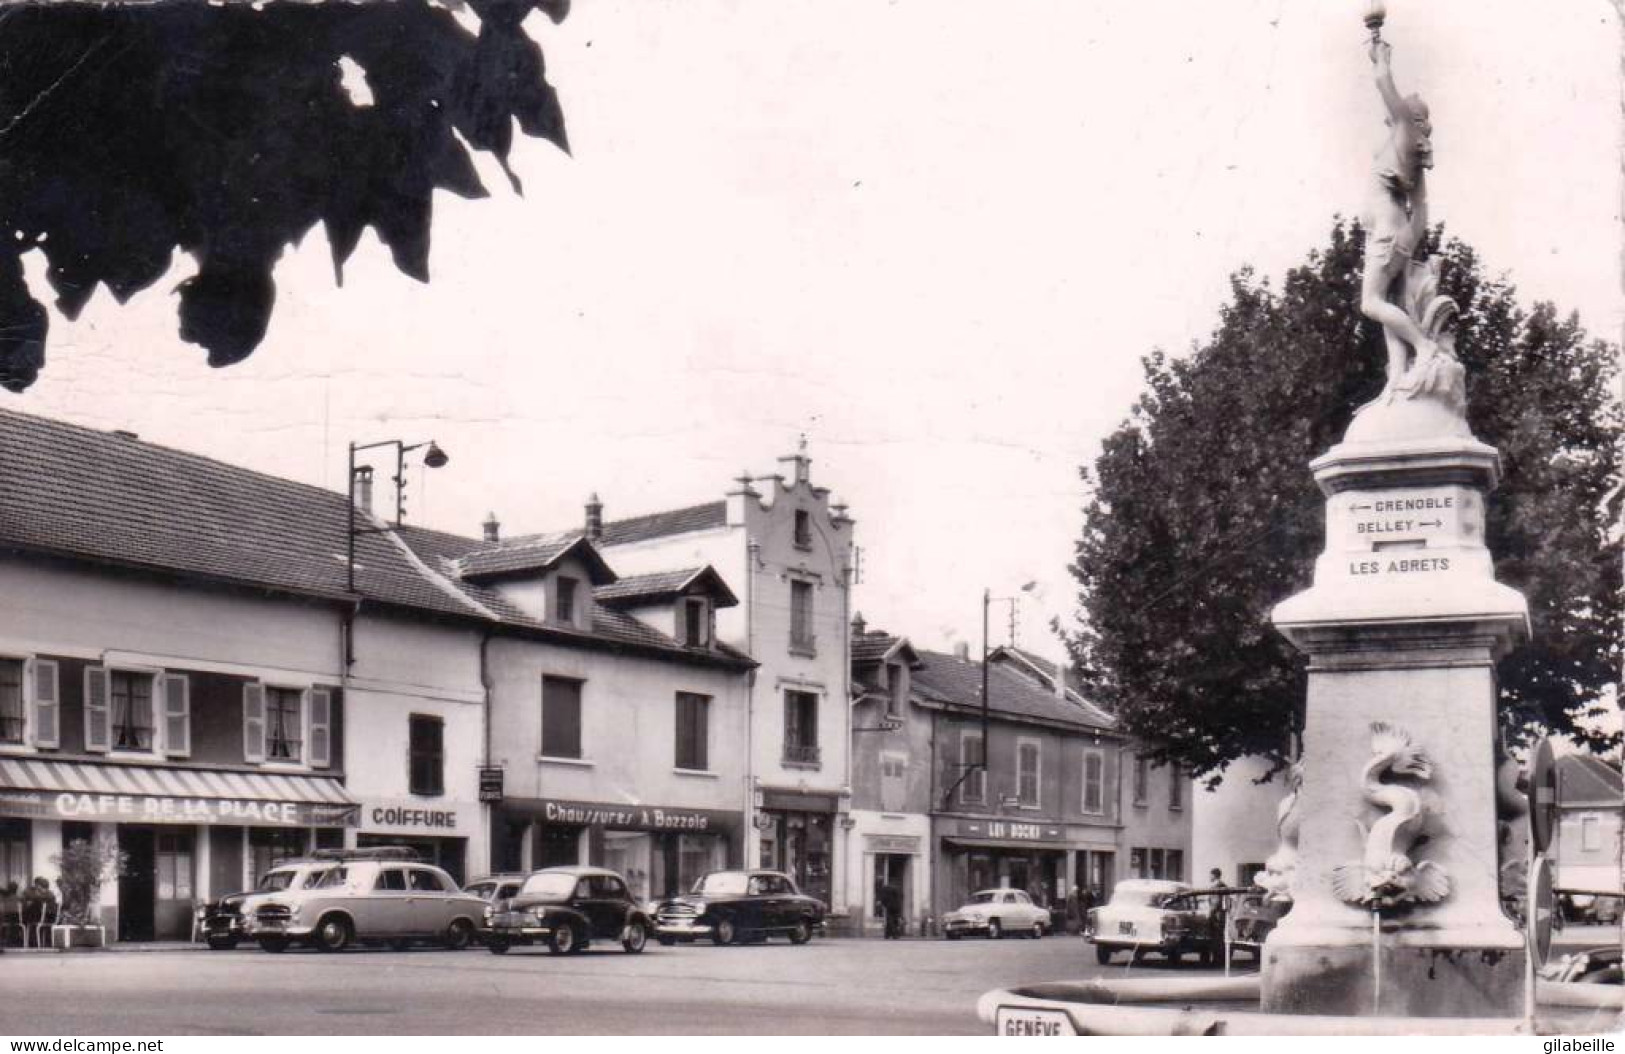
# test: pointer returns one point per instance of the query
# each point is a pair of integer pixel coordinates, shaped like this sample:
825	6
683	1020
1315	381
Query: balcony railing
800	754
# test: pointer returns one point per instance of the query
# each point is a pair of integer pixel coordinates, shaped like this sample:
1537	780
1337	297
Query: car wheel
273	944
563	941
458	935
333	934
498	946
635	937
222	944
1103	955
1038	931
994	930
724	932
801	932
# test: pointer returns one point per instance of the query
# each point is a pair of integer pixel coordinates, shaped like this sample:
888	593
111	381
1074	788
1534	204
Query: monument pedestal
1403	626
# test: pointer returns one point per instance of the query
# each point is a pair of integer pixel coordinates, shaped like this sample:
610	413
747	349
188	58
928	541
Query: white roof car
996	912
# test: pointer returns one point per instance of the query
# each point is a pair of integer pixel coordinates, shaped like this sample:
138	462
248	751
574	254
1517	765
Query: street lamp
988	600
433	457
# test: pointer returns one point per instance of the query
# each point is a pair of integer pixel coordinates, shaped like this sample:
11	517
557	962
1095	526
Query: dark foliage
128	131
1201	513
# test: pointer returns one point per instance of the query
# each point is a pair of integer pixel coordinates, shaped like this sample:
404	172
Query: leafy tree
84	866
128	131
1201	514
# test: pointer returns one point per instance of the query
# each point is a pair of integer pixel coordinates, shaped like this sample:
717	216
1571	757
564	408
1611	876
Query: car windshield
276	881
723	884
983	898
550	886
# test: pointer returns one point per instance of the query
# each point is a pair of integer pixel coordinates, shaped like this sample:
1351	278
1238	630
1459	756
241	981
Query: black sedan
567	908
730	906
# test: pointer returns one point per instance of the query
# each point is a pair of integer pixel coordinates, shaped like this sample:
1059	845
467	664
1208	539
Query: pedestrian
891	908
1220	903
1074	919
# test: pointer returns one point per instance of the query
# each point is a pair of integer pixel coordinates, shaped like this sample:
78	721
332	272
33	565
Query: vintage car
996	912
493	889
1252	917
567	908
730	906
392	901
220	922
1154	915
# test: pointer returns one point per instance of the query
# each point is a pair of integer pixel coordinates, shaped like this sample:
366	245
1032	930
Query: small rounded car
731	907
494	889
567	908
370	900
1153	915
996	913
221	922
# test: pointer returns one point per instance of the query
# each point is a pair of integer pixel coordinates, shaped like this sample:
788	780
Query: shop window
1027	772
426	746
173	862
1136	863
283	719
696	622
972	766
561	717
130	698
13	712
693	731
1174	865
1141	781
564	607
1094	782
802	640
803	529
1176	787
1157	864
14	854
801	728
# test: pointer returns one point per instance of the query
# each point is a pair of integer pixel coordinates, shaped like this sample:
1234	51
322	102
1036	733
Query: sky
936	237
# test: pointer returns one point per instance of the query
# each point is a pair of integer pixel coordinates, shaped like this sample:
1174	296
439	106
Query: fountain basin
1229	1006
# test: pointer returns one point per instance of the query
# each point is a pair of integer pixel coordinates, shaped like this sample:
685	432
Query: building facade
1587	849
785	551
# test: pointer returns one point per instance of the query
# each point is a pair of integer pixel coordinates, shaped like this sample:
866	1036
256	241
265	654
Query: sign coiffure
413	817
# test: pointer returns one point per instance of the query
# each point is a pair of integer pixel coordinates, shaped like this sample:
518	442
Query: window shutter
176	691
47	704
321	719
254	722
97	731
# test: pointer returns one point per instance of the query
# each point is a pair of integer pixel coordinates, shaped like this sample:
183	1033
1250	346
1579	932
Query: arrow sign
1430	523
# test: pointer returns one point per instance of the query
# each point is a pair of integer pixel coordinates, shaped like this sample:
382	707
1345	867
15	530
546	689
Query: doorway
892	869
137	886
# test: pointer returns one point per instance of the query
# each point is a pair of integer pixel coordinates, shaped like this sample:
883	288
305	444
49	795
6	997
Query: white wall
1235	824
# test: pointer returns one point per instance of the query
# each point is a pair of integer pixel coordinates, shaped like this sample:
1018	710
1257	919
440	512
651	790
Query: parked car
1152	914
1252	918
494	890
729	906
368	900
221	922
567	908
996	912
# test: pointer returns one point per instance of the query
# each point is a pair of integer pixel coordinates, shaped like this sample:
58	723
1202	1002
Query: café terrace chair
47	918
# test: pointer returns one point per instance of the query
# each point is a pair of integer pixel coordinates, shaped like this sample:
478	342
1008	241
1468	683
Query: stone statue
1386	877
1397	290
1276	878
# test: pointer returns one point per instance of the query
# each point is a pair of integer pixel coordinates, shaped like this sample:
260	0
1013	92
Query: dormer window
696	622
897	689
803	532
564	606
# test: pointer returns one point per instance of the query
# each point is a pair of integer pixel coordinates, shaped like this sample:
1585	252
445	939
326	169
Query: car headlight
489	914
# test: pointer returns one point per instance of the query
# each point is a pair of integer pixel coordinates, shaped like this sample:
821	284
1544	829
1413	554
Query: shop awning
123	793
1006	843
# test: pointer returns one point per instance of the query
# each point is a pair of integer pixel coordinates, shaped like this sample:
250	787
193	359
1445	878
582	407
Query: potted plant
84	867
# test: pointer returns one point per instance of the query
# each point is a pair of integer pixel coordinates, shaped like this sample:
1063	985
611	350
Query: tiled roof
83	494
873	645
1043	670
663	585
1586	778
952	681
660	524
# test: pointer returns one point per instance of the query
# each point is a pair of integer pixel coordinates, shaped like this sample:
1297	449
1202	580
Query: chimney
858	625
595	518
962	651
361	488
492	528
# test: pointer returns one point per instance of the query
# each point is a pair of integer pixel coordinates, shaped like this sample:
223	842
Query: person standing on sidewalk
891	907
